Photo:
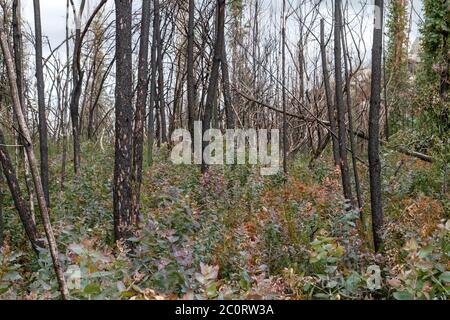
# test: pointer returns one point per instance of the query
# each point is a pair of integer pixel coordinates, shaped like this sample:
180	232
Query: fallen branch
360	134
401	149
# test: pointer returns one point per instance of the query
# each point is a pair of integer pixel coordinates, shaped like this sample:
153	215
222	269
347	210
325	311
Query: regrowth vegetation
92	206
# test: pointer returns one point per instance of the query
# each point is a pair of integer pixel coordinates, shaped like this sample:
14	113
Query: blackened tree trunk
152	104
159	62
18	62
190	68
32	160
124	117
283	94
21	205
43	144
17	45
77	80
141	103
214	77
342	130
328	94
374	129
66	105
229	112
348	96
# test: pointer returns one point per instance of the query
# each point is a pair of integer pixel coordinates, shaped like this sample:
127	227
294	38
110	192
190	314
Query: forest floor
234	234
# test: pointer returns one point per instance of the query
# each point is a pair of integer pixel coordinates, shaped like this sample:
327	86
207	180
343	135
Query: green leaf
322	296
211	291
92	288
76	248
332	284
12	276
403	295
425	252
445	277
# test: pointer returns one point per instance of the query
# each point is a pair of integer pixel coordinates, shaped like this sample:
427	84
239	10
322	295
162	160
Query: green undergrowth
233	234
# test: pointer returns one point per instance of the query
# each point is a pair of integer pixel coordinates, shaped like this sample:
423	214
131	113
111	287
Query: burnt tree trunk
374	130
283	94
328	94
159	62
190	68
348	96
152	104
342	130
43	144
77	80
229	112
141	103
214	77
66	105
18	62
21	205
33	162
124	117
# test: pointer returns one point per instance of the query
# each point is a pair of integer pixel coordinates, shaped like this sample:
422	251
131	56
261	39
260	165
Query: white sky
53	16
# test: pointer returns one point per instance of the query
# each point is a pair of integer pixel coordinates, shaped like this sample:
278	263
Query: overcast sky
53	18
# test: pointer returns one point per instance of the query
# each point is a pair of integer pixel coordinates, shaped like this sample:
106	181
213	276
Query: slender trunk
342	130
329	99
17	45
159	62
348	73
43	144
18	61
283	76
66	104
374	130
152	104
190	68
386	103
141	103
229	112
124	116
77	80
255	60
178	91
214	77
33	162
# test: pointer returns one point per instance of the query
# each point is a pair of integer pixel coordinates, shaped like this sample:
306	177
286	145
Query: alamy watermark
235	146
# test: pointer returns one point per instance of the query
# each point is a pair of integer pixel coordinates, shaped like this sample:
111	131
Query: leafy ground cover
234	234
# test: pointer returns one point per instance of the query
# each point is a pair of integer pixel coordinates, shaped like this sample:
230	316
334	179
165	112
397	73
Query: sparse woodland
92	207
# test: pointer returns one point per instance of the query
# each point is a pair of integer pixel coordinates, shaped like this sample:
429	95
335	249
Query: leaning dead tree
25	133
